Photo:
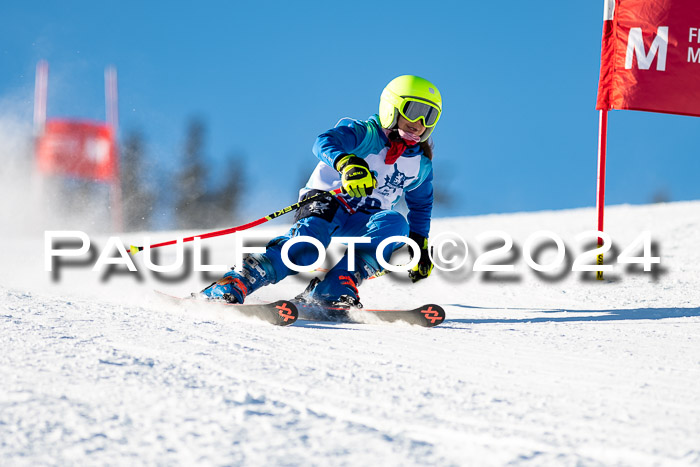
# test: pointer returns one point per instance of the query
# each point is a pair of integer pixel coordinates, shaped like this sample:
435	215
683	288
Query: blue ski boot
338	288
234	287
331	299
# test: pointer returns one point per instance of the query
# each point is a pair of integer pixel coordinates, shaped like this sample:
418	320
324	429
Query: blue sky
518	131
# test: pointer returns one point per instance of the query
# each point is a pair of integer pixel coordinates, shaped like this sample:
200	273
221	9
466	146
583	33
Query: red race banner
78	148
650	57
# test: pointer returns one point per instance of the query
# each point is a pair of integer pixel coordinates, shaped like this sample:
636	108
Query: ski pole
135	249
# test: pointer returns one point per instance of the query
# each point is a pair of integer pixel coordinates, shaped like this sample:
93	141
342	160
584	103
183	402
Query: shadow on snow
579	315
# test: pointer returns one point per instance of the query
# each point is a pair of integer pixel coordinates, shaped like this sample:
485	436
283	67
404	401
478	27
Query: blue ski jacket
410	176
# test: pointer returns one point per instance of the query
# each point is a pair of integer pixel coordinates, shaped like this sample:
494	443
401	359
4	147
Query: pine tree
191	207
138	198
226	201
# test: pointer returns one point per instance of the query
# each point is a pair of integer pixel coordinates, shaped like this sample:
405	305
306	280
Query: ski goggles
413	109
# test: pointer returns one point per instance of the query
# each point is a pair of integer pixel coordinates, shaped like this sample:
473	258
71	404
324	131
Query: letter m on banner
635	46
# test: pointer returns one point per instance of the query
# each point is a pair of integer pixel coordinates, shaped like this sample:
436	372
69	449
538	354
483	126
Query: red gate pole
40	92
600	200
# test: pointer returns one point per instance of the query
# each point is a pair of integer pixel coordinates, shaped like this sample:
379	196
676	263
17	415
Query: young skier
375	162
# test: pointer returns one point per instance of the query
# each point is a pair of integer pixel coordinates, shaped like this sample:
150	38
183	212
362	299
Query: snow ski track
523	372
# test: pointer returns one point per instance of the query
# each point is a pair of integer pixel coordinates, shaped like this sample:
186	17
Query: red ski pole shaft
135	249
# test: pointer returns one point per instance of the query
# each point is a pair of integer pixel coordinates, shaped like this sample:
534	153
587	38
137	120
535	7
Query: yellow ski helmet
415	99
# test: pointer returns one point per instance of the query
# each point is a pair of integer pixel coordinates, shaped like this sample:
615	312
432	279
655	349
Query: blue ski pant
376	225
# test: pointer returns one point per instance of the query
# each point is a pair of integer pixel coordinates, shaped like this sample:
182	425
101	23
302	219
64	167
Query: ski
286	312
280	313
427	315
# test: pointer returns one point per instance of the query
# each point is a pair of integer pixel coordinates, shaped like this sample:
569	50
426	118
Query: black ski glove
425	265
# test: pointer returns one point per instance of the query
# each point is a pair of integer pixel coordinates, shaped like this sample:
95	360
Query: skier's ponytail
427	148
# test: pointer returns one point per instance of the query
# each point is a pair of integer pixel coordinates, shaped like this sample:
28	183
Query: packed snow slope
528	369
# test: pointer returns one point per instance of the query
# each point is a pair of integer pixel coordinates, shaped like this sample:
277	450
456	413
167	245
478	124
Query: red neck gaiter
397	148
